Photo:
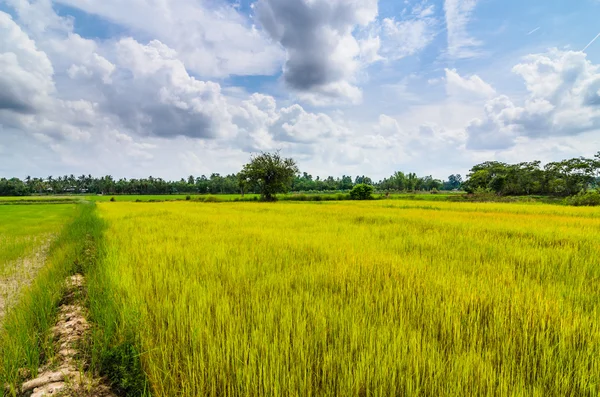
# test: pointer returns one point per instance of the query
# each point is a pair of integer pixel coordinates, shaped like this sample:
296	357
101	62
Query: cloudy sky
171	88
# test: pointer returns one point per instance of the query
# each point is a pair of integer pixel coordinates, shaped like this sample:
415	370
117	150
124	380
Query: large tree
270	173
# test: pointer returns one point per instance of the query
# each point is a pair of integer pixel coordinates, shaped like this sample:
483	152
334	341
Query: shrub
361	192
188	198
112	199
434	191
212	199
584	199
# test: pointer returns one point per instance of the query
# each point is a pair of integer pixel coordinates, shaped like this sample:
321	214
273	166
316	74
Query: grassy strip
38	202
25	340
113	347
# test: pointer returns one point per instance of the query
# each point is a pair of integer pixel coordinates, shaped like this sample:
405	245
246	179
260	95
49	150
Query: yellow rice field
354	298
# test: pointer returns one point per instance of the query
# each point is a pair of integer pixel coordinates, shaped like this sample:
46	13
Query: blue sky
183	87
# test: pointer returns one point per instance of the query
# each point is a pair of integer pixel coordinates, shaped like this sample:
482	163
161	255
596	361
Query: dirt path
20	274
65	375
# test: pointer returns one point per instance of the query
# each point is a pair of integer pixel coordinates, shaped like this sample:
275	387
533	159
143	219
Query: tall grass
25	338
347	298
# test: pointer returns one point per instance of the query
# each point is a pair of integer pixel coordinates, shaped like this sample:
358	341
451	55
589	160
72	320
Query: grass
25	340
37	198
23	229
348	298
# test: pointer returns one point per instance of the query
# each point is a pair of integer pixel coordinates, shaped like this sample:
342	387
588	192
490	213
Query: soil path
65	375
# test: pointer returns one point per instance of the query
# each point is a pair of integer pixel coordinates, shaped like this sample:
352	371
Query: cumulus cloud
26	81
458	14
155	95
263	126
456	85
213	39
322	53
297	125
563	100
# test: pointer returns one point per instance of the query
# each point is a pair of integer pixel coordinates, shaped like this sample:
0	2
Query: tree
455	181
399	181
361	191
411	181
271	174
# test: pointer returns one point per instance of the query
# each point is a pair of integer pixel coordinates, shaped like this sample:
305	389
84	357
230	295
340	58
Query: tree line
562	178
214	184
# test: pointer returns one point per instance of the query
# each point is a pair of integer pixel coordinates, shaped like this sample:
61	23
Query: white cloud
407	37
26	81
264	126
563	100
369	49
458	14
213	38
456	85
161	98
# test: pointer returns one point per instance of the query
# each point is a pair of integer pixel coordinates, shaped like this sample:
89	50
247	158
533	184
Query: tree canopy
270	173
561	178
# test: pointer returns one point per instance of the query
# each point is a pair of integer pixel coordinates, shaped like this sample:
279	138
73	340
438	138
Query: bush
361	192
188	198
584	199
112	199
212	199
434	191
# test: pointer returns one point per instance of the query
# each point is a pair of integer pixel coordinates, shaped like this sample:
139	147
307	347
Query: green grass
349	299
25	339
24	228
39	198
162	197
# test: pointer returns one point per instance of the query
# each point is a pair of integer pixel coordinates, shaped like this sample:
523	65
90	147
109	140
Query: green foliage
125	373
562	178
13	187
270	173
361	192
584	199
112	199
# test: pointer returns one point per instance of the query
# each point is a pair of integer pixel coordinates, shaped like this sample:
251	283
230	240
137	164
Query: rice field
23	229
373	298
26	234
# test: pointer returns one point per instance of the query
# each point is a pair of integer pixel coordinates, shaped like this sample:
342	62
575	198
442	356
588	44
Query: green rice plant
24	229
349	298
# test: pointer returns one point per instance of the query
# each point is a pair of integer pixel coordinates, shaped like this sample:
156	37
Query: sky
172	88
